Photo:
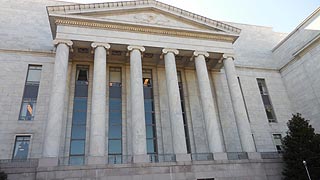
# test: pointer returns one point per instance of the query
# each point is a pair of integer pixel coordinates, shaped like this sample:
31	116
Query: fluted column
238	105
175	111
98	105
139	145
56	105
214	133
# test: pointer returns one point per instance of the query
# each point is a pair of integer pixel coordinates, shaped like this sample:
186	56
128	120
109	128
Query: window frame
33	100
266	106
14	145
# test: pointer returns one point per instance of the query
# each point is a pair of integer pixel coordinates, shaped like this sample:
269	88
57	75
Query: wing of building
145	90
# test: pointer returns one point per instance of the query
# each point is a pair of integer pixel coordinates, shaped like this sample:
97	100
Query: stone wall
219	170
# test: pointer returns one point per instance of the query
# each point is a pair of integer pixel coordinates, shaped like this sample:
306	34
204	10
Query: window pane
79	117
76	160
115	104
269	113
115	117
148	105
21	147
31	91
81	90
150	130
266	100
150	146
115	92
147	92
27	110
149	118
78	132
34	75
77	147
115	132
80	104
114	147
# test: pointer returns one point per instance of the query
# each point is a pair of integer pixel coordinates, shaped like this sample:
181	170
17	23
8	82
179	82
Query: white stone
213	130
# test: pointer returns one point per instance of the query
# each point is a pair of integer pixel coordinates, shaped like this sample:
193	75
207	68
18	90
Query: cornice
142	29
29	52
80	8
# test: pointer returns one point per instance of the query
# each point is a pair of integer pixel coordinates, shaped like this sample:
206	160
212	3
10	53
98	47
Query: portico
149	36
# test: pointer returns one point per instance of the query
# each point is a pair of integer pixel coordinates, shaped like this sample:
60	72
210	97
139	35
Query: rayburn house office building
141	90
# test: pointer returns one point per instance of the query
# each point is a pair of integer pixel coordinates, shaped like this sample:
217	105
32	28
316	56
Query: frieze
147	30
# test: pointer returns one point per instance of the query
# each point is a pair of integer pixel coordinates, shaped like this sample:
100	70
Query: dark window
115	117
151	134
185	122
30	93
266	100
21	147
79	117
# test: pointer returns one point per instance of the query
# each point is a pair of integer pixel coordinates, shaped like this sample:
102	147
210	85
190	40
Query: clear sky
282	15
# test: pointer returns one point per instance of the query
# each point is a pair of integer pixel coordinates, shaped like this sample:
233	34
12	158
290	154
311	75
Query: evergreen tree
301	143
3	175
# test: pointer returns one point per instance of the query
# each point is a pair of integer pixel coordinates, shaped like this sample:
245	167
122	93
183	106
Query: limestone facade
218	63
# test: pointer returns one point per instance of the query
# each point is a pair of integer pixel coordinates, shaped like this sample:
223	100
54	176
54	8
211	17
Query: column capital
63	41
100	44
140	48
198	53
226	56
167	50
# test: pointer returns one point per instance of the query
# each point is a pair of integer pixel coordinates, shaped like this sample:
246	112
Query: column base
48	162
254	155
183	157
97	160
220	156
143	158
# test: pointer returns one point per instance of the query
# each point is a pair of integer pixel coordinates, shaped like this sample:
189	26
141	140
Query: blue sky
282	15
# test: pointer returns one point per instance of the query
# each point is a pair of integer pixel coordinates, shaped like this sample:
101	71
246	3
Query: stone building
145	90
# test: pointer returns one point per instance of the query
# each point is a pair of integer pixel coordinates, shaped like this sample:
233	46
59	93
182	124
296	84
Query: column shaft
214	133
176	119
238	106
56	105
98	110
137	104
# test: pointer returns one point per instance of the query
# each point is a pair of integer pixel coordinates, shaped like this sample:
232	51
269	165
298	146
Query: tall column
214	133
98	106
238	105
176	119
139	145
56	105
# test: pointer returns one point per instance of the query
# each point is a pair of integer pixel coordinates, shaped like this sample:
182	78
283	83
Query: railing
17	163
119	159
271	155
155	158
202	157
237	155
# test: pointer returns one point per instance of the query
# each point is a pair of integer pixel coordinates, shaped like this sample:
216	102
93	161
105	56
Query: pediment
149	16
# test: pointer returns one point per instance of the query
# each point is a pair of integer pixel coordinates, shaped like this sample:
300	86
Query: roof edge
297	28
79	7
